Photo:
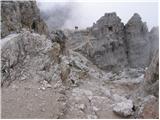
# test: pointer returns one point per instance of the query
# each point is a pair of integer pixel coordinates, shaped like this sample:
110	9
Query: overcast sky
83	14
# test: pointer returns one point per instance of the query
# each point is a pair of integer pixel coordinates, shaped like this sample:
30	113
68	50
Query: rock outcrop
149	108
105	44
25	54
146	96
137	42
151	83
111	45
17	15
124	108
154	41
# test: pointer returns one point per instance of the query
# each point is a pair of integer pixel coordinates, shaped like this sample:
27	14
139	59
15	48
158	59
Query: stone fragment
149	108
81	106
123	108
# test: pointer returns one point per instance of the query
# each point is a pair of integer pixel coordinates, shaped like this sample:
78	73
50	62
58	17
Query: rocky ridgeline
115	45
17	15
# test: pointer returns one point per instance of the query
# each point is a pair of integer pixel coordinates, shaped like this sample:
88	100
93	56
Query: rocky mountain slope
92	73
111	45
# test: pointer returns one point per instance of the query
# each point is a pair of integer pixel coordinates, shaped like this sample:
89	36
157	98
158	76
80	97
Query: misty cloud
57	15
83	14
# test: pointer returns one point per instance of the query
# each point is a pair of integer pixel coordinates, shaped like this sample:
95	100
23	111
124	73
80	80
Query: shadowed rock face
17	15
151	83
108	25
109	46
138	46
154	41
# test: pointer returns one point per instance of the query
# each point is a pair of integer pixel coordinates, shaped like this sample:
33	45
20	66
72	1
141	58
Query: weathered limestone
148	108
108	25
124	108
151	83
111	45
109	48
86	91
17	15
25	53
103	43
65	69
137	42
154	41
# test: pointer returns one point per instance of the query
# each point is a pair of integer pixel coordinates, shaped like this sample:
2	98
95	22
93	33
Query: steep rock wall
17	14
137	42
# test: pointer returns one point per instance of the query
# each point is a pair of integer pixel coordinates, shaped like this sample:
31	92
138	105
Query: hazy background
67	14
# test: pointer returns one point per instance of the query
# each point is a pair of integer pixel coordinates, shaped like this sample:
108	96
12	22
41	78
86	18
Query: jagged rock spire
137	42
135	18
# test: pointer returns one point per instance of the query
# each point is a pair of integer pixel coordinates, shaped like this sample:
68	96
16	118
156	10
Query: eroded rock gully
88	73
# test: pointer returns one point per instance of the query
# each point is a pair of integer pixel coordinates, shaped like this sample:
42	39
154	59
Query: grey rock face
151	83
65	70
154	41
17	15
149	108
24	54
111	45
146	96
104	42
59	37
108	25
137	42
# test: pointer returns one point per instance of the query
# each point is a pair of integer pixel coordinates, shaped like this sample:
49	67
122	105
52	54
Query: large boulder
148	108
17	15
25	54
124	108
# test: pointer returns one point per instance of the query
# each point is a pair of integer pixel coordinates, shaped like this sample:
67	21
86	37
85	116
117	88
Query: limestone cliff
151	83
137	42
154	41
17	14
105	46
111	44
